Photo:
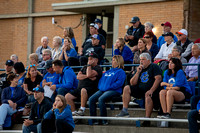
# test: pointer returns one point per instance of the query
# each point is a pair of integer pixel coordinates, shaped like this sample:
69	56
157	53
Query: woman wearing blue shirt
110	85
176	87
68	54
124	51
12	98
59	118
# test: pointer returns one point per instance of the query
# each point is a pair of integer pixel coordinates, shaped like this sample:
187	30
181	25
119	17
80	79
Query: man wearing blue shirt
166	28
67	78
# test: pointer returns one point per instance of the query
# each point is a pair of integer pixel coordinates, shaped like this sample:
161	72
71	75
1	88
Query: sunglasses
179	35
146	36
35	89
32	65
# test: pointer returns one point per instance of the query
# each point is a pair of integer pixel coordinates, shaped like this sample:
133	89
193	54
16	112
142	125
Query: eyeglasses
32	65
44	54
146	36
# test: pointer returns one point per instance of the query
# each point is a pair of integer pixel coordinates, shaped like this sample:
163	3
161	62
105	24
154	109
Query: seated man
3	77
38	110
46	55
88	80
92	47
50	77
67	78
194	114
144	84
192	71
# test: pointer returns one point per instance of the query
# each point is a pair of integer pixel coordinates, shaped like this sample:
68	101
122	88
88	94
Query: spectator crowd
51	86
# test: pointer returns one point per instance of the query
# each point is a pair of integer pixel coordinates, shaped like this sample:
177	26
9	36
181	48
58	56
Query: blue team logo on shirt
144	77
109	74
171	80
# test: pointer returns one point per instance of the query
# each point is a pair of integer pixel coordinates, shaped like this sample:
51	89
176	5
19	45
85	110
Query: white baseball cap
182	32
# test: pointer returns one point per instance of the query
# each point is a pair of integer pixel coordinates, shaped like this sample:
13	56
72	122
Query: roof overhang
95	7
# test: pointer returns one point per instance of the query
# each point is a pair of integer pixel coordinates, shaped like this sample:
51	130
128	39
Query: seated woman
68	54
32	79
124	51
12	98
166	48
148	28
20	70
68	32
176	87
56	51
152	47
142	43
59	118
110	85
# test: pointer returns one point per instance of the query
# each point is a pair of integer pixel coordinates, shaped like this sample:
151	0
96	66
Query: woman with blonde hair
32	79
63	121
110	85
68	54
68	32
57	46
124	51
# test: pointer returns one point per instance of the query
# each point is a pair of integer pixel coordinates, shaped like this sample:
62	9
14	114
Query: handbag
27	109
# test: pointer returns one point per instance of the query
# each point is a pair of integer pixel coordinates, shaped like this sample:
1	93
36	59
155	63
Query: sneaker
123	114
166	116
80	112
74	113
146	124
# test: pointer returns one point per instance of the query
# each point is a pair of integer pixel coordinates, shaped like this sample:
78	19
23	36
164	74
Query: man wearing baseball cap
135	32
3	77
100	30
167	26
50	77
38	110
92	47
93	30
88	78
185	43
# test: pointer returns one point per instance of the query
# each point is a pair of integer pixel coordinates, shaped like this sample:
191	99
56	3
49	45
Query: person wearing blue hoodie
59	118
110	85
67	78
176	87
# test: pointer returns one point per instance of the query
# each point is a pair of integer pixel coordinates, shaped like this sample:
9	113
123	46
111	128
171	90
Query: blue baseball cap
95	36
98	21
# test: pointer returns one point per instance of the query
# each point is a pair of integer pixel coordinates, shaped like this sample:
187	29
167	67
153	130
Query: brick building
24	22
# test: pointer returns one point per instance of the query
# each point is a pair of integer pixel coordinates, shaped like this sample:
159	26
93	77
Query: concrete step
127	129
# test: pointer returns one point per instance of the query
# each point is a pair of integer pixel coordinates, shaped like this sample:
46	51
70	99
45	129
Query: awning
95	7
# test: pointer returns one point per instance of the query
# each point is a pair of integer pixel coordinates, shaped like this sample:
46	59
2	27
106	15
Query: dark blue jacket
126	53
19	96
66	115
154	50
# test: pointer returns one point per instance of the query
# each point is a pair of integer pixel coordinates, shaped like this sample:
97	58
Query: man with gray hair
44	42
14	58
144	84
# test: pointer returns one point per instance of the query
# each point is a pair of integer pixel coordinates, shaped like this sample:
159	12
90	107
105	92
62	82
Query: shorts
77	92
140	94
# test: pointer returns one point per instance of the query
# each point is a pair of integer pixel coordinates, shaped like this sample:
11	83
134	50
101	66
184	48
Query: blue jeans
102	98
32	128
62	91
193	116
5	110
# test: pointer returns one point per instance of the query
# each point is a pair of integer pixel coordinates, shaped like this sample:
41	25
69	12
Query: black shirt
31	84
3	80
88	82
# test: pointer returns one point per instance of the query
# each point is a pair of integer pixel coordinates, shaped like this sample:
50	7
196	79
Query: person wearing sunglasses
185	43
135	32
32	79
38	110
152	47
12	98
148	28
